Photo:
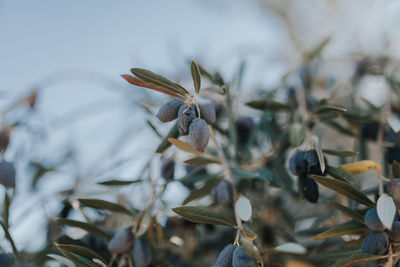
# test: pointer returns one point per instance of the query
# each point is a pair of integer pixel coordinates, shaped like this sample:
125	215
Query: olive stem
228	173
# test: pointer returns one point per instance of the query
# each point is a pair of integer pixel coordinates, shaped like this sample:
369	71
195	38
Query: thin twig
228	174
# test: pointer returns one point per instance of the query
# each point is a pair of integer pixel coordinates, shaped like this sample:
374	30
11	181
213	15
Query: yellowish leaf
360	166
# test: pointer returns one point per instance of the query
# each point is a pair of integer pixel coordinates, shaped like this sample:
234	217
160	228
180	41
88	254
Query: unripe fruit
313	166
141	253
310	190
225	256
7	174
241	258
224	192
394	190
244	127
199	134
207	112
121	241
297	164
372	220
6	260
375	243
394	233
169	110
168	169
185	117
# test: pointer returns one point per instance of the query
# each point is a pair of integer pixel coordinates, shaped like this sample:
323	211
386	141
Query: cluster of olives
189	121
303	164
377	242
234	256
125	240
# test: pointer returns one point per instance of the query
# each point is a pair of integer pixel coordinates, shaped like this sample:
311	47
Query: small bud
297	164
394	233
375	243
199	134
241	258
121	241
394	190
207	113
224	192
185	117
244	127
225	256
310	190
7	174
372	220
169	110
141	253
168	169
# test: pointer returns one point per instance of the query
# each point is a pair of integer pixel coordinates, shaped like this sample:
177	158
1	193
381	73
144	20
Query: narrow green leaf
202	160
352	227
318	49
119	182
85	226
340	174
396	169
102	204
158	80
203	191
81	251
184	146
348	211
153	127
327	112
344	188
267	104
203	215
62	260
340	153
194	68
10	240
173	133
341	253
357	259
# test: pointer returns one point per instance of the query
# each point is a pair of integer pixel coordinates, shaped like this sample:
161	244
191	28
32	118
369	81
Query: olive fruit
121	241
168	168
185	117
297	164
375	243
241	258
207	113
394	190
225	256
394	233
224	192
7	173
199	134
169	111
310	190
313	165
244	127
6	260
141	253
372	220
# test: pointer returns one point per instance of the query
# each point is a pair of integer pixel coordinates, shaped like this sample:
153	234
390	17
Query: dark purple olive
7	174
313	165
141	253
121	241
225	256
168	168
310	190
185	117
199	134
244	127
224	192
241	258
169	110
375	243
207	113
372	220
297	164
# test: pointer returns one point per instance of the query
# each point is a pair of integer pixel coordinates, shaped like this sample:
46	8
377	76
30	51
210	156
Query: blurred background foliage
325	69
